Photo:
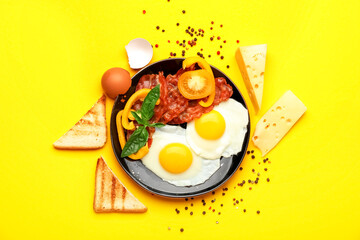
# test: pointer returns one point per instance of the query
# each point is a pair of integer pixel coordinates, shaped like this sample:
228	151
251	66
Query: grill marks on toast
110	194
89	132
113	193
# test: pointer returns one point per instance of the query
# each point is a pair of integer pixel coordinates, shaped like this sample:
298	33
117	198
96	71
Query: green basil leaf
158	125
147	108
138	118
136	141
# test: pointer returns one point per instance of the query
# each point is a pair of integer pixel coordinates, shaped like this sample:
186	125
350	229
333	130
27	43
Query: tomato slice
196	84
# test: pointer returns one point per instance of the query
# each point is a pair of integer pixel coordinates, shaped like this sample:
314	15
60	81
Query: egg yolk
210	126
175	158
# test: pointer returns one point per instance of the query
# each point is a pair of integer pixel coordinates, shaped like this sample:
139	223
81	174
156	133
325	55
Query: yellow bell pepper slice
138	95
130	116
142	151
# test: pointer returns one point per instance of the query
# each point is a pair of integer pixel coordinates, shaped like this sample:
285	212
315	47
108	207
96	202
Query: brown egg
115	81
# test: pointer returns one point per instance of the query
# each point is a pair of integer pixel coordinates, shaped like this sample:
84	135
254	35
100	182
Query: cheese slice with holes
273	126
251	61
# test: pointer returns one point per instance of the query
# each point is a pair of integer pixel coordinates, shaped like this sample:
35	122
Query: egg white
200	170
231	142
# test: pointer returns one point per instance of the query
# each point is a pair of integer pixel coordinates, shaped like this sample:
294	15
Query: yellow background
53	54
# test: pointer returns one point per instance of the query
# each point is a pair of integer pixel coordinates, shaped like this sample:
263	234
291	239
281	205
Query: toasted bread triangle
110	193
89	132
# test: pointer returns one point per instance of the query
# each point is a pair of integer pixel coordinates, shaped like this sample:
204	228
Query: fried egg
171	158
220	132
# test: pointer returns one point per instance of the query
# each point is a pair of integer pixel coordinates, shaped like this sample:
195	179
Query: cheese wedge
110	193
89	132
251	61
276	122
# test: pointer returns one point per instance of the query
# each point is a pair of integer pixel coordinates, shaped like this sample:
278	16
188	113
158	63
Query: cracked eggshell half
139	52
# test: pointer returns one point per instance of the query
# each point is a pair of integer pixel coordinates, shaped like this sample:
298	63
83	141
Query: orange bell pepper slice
200	61
211	81
209	101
